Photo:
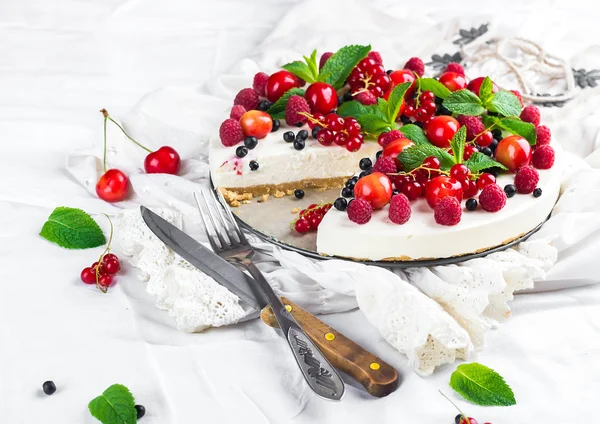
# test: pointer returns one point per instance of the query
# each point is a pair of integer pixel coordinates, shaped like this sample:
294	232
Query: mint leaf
458	144
277	109
373	124
300	69
481	385
340	64
356	109
464	102
114	406
513	126
415	134
505	103
433	85
478	161
485	91
312	64
412	157
72	229
395	101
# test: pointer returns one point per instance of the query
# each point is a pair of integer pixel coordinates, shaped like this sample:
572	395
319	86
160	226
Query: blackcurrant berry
378	154
355	179
438	100
443	111
418	124
510	190
340	100
241	151
493	145
299	124
253	165
250	142
315	131
49	387
276	125
457	419
537	192
405	120
289	136
348	97
365	163
264	105
340	204
299	193
497	133
140	411
347	192
299	144
364	173
486	151
350	184
471	204
302	135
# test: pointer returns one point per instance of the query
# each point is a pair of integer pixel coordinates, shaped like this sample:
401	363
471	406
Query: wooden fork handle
377	377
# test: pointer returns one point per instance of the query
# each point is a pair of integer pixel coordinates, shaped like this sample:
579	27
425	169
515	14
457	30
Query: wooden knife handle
377	377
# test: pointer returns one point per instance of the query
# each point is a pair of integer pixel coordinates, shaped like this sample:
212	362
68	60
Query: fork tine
219	207
218	229
236	227
207	227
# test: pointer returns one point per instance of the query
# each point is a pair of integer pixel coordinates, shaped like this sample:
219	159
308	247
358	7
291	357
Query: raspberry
324	58
366	98
260	83
416	65
543	135
492	198
531	114
247	98
387	165
359	211
399	211
526	179
296	104
474	125
386	138
376	57
543	157
518	94
236	112
455	67
231	132
448	211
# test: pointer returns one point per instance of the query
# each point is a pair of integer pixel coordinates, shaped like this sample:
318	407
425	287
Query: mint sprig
481	385
458	144
115	405
415	134
505	103
391	108
413	156
277	109
433	85
307	70
486	90
513	126
72	229
464	102
340	64
478	162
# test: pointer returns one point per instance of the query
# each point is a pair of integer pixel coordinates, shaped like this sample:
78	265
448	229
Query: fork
229	242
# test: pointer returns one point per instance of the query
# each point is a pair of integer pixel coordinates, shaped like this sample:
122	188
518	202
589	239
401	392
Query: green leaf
458	144
433	85
415	134
373	124
277	109
312	65
73	229
114	406
301	70
412	157
513	126
356	109
505	103
481	385
478	161
485	91
395	101
464	102
340	64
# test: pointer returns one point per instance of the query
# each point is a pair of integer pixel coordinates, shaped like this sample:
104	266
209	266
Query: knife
375	375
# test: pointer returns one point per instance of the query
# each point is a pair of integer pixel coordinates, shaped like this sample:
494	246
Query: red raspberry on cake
376	57
399	212
366	98
492	198
474	125
386	165
543	135
543	157
359	211
448	211
386	138
416	65
231	132
519	96
526	179
295	105
260	83
531	114
324	57
247	98
237	111
455	67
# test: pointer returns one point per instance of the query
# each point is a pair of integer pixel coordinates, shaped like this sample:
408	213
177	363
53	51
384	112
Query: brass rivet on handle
329	336
288	308
374	366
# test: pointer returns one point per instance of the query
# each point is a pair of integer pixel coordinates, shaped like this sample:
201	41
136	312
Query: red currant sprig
369	76
338	130
101	272
310	218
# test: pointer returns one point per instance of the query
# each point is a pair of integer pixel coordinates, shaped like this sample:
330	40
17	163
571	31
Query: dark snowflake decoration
468	36
549	103
585	78
440	62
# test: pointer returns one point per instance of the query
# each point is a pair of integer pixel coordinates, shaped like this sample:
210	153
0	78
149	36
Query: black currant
340	100
241	151
340	204
140	411
289	136
497	133
444	111
299	144
276	125
486	151
348	97
405	120
471	204
299	193
49	387
510	190
347	192
537	192
365	163
378	154
389	71
418	124
300	124
302	135
250	142
264	105
364	173
253	165
315	131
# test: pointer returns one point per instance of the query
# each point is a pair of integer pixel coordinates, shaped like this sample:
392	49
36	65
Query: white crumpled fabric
453	307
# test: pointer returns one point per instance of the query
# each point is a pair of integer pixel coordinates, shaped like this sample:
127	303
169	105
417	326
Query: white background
60	62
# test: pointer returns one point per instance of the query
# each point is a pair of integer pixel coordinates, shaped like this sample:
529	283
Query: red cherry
112	186
325	137
485	139
256	123
402	76
395	147
105	280
470	188
163	161
302	226
352	126
459	172
88	276
321	97
469	150
453	81
353	144
112	266
334	122
513	152
441	129
441	187
279	83
375	188
485	179
412	189
475	85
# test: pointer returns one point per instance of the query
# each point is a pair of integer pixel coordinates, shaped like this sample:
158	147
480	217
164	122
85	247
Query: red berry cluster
369	75
310	218
421	108
101	273
337	130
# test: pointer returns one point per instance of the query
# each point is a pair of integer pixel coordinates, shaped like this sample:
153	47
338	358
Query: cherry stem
106	250
107	116
463	416
104	144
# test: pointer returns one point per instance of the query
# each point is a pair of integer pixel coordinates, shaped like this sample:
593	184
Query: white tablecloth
60	62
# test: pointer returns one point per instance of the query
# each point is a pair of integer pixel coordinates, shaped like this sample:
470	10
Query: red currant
321	97
112	186
109	256
475	85
441	187
412	189
421	114
334	122
340	139
441	129
470	188
279	83
421	176
318	117
302	226
485	139
88	276
163	161
453	81
105	280
485	179
369	75
430	107
101	268
427	96
315	220
459	172
351	126
112	266
325	136
409	111
469	150
376	188
353	144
